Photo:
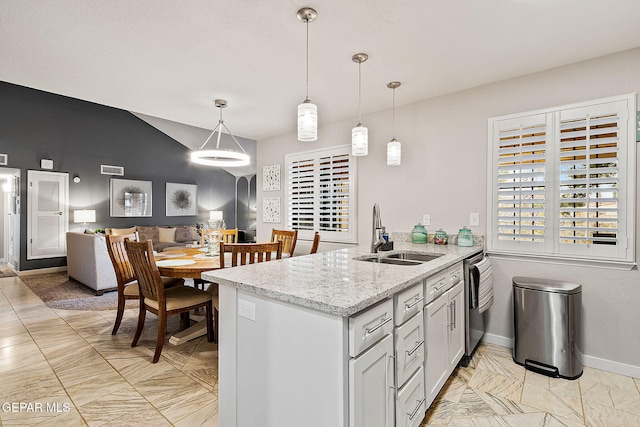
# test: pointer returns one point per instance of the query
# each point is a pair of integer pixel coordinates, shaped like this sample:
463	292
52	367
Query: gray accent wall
80	136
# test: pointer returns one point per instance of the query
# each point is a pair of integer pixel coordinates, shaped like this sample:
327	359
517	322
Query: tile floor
68	361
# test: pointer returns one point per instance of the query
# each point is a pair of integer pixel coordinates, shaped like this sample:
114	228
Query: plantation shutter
321	193
520	180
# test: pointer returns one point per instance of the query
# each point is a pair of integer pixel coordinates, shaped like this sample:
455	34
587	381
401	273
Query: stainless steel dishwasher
474	320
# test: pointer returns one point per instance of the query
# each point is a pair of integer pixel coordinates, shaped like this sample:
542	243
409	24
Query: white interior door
47	217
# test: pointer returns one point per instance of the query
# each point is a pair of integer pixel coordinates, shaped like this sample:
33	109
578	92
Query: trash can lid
547	285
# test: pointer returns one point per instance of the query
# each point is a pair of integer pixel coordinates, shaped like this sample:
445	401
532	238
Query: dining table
188	263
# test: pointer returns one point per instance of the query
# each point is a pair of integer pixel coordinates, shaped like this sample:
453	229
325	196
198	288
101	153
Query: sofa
88	260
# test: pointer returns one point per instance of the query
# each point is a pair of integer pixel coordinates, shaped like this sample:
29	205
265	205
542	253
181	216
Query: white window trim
349	237
627	192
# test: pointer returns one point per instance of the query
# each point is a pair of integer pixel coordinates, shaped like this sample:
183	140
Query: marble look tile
487	421
52	413
612	396
541	419
143	415
165	385
109	407
25	385
496	384
439	413
592	376
453	389
21	361
502	406
140	369
96	387
206	415
208	378
497	363
548	400
557	385
184	401
604	415
18	349
472	405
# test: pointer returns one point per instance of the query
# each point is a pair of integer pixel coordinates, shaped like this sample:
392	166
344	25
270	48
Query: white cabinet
444	333
371	386
410	403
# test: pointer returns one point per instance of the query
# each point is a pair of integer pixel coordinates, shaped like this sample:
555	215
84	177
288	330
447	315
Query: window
562	182
321	194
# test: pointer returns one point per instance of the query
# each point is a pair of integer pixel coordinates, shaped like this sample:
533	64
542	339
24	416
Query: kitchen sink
385	260
413	256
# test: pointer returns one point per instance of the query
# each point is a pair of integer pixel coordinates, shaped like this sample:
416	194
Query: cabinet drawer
409	348
436	285
408	303
456	274
410	404
367	327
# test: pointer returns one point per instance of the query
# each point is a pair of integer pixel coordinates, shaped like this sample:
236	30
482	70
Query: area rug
6	272
57	290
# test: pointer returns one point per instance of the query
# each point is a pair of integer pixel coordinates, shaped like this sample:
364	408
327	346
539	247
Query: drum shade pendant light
219	157
359	134
307	112
394	148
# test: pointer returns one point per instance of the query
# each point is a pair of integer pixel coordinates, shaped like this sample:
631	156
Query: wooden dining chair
288	238
230	235
160	301
125	276
316	243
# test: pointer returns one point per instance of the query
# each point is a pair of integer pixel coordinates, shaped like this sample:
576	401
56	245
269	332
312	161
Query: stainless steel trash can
547	316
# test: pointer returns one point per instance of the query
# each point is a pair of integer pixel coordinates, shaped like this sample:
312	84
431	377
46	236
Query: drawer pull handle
415	411
408	306
442	285
383	322
413	350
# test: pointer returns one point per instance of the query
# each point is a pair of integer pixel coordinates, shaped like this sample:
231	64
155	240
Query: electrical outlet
246	309
474	219
426	219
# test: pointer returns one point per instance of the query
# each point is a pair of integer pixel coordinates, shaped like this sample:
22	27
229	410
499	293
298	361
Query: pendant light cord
393	115
307	21
359	93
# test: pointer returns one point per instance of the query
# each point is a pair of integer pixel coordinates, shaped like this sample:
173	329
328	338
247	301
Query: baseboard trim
42	271
588	361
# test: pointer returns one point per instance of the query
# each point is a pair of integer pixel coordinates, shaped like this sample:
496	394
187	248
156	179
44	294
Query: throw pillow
167	234
120	231
148	233
186	234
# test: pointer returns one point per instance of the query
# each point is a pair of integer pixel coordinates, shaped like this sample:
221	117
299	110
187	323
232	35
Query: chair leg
211	334
215	325
162	331
119	314
141	315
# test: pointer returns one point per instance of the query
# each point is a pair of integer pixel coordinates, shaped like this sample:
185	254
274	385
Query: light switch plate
426	219
46	164
246	309
474	219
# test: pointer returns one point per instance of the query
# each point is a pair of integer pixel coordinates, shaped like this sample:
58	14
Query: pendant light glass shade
219	157
394	148
307	111
359	140
307	122
359	134
394	153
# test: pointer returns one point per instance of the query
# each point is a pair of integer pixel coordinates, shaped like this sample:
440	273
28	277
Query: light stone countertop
333	282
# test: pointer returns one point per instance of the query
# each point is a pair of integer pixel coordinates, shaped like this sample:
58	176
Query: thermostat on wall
46	164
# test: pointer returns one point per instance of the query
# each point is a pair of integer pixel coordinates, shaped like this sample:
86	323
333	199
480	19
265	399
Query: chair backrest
288	238
120	260
316	243
144	264
230	235
250	253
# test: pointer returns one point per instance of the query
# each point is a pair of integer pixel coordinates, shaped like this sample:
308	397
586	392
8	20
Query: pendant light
307	112
219	157
359	134
394	148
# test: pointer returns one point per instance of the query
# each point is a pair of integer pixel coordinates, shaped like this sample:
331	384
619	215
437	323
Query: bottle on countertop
385	235
465	238
440	237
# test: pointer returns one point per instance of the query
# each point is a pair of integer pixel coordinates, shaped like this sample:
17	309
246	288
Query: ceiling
171	59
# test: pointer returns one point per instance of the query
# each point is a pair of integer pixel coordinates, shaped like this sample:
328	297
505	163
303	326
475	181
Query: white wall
443	173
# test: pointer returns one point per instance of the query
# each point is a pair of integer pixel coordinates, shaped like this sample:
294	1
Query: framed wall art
271	178
271	209
182	199
130	197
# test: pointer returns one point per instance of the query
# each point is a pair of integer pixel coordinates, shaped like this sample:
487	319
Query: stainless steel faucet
376	232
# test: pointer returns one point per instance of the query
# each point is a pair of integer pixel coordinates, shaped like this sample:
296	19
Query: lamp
84	216
359	134
394	148
307	112
216	215
218	157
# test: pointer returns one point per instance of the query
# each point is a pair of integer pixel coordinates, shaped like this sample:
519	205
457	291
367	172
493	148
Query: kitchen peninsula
287	346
